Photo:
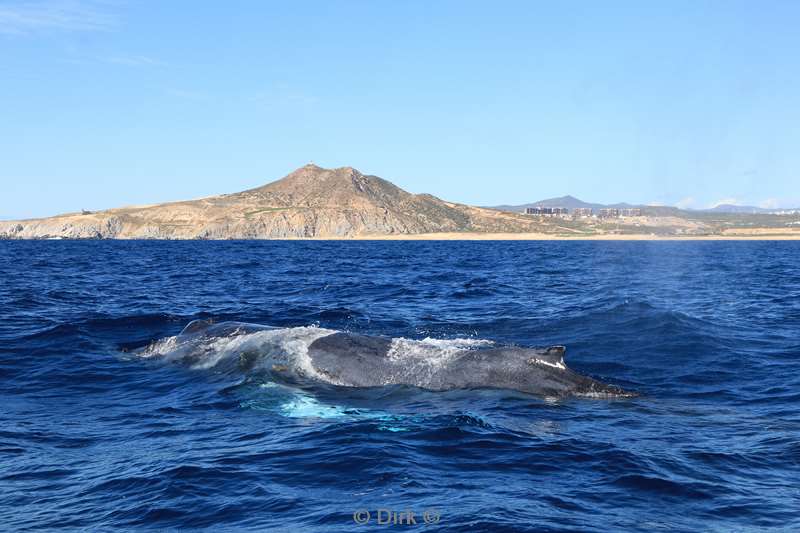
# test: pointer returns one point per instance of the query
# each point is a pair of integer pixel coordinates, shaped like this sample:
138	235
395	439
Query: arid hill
311	202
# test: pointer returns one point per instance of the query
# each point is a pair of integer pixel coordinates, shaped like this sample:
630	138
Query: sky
105	103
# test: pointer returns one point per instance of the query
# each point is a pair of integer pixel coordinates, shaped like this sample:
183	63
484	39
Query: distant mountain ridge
745	209
570	202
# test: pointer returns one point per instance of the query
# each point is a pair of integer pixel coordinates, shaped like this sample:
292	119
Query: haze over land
313	202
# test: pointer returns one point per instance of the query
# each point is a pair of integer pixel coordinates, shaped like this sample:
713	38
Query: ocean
101	430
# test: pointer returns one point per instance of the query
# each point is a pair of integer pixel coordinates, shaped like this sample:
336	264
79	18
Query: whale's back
355	360
363	361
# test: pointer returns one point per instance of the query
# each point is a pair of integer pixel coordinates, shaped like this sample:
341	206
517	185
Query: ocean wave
112	419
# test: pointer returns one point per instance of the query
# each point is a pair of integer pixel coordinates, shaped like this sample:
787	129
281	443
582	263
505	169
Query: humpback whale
354	360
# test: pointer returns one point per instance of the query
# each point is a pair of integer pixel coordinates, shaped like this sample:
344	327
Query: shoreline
550	237
794	236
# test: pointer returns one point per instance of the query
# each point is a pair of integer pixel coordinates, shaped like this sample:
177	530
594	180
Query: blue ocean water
97	434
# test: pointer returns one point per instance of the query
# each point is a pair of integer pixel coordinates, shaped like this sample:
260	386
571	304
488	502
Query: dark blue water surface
96	436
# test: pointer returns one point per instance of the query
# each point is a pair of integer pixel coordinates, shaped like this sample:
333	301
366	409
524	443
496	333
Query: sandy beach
761	234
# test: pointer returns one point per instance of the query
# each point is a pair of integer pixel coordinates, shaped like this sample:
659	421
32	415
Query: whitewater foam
422	359
260	350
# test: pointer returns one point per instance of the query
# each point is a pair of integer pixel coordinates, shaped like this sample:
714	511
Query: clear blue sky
113	102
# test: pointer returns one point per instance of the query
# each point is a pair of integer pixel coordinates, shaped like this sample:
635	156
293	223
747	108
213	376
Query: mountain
570	202
311	202
738	209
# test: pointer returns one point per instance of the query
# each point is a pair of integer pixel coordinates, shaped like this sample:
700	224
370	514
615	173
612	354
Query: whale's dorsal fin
555	351
550	356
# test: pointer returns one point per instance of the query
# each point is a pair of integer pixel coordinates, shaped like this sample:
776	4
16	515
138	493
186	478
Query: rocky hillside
311	202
